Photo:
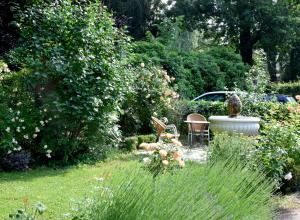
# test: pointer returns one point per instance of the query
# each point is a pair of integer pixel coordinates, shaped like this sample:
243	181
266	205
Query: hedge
132	143
292	88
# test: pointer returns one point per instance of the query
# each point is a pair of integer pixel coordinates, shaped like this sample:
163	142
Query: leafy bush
76	80
292	88
278	151
195	72
151	95
221	191
131	143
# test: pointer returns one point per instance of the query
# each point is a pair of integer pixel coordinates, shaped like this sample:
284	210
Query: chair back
159	125
197	127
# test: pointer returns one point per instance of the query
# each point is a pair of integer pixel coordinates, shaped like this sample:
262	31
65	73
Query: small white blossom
48	155
14	141
21	120
37	129
288	176
34	135
18	112
49	151
45	110
15	89
19	103
7	129
45	146
42	123
26	136
9	152
46	121
18	129
146	160
50	119
148	96
100	179
13	119
23	127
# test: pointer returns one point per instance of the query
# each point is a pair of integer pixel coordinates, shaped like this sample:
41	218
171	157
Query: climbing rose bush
152	95
75	82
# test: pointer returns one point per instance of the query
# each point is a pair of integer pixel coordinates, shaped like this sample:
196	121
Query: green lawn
57	189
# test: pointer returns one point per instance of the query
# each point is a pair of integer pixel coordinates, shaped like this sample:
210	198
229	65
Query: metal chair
161	128
196	129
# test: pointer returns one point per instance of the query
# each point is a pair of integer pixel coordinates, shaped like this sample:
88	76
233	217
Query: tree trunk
271	60
246	46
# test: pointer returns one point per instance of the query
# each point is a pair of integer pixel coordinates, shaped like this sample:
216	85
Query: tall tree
138	15
246	23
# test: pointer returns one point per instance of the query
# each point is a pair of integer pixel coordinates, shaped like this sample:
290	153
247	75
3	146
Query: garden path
197	153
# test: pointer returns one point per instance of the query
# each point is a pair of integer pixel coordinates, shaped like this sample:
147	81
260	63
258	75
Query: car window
213	97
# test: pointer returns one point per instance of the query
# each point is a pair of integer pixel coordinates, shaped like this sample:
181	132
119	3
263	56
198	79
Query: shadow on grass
41	172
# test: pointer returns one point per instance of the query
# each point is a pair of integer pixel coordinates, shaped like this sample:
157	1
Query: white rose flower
288	176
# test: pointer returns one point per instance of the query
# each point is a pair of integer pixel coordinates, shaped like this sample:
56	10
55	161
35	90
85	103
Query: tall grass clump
224	190
232	146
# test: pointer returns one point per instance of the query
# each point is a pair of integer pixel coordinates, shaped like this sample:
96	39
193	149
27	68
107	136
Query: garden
95	100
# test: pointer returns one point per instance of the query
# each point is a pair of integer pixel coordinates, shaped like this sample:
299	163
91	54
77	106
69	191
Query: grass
58	189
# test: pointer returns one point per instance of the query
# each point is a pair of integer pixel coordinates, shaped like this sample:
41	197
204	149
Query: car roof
215	92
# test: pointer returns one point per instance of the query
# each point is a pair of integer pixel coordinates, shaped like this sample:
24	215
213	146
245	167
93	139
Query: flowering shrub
166	158
152	95
68	101
278	150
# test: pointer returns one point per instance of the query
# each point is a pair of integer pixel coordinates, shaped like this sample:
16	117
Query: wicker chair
162	128
201	130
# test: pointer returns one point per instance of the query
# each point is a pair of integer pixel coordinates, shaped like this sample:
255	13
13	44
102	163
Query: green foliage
34	213
150	138
76	80
278	150
292	88
231	147
151	95
131	143
195	72
223	190
269	25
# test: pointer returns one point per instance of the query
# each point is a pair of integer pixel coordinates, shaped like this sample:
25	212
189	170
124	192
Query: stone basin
246	125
